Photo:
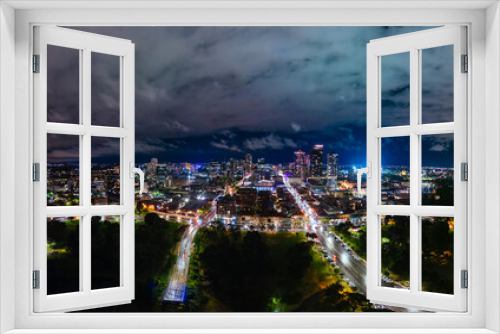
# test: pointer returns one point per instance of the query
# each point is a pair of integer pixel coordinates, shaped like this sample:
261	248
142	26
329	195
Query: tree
300	258
311	235
152	219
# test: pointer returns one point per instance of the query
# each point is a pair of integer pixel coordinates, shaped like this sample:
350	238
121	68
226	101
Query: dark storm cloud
63	85
62	148
105	89
395	86
437	83
267	86
224	145
271	141
437	150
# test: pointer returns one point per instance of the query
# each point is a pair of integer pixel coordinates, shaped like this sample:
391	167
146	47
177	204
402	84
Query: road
176	288
353	268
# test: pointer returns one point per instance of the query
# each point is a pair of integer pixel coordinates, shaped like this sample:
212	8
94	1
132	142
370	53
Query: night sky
207	93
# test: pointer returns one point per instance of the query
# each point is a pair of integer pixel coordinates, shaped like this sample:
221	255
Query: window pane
395	173
437	254
395	81
63	170
437	169
63	85
105	257
63	255
437	84
105	89
105	171
395	251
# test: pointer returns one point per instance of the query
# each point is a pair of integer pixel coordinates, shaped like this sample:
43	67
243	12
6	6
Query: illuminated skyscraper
232	164
248	158
331	169
300	162
316	161
248	163
151	166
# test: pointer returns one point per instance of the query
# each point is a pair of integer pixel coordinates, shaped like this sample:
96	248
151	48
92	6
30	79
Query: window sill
253	331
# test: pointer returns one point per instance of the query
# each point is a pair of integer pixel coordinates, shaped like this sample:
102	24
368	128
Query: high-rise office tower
151	166
248	158
331	169
232	164
300	161
316	161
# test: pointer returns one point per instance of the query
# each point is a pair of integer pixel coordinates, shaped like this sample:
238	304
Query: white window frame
413	44
85	44
484	50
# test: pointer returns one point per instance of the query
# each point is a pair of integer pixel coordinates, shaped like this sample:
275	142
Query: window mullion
80	181
434	129
414	168
86	168
127	121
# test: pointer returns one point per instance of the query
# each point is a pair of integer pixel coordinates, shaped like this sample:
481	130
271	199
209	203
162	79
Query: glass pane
437	84
63	85
63	255
63	170
437	254
395	81
437	169
105	89
105	257
105	171
395	173
395	250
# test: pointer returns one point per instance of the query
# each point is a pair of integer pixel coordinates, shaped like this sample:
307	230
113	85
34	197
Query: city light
298	196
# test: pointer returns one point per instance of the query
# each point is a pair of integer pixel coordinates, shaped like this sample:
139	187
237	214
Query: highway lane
176	287
180	272
354	269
